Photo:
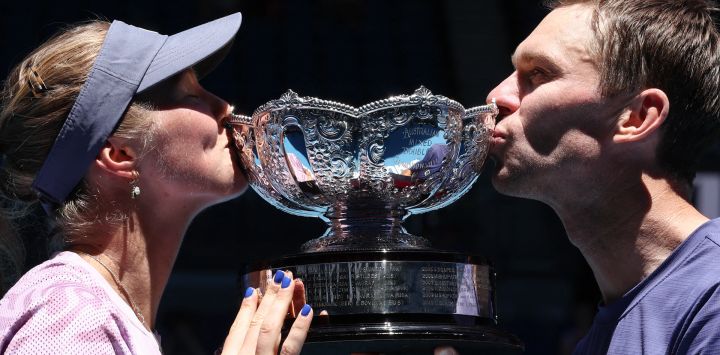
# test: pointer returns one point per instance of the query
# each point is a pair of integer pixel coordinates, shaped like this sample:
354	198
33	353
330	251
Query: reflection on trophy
363	171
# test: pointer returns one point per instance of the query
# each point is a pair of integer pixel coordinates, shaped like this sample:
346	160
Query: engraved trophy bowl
363	171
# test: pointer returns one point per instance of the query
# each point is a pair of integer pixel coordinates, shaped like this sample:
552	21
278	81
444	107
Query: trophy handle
235	119
478	123
489	108
242	129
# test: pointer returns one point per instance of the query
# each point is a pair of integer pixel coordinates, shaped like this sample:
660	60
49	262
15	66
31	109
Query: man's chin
498	184
504	183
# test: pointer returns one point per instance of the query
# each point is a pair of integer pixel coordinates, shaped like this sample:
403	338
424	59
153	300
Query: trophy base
358	241
394	335
395	301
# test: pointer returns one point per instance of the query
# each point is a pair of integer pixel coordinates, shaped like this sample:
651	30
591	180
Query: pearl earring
134	188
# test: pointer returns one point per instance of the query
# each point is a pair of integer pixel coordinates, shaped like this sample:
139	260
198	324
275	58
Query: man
610	105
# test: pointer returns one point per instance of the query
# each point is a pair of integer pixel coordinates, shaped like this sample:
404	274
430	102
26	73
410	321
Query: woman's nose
506	95
219	107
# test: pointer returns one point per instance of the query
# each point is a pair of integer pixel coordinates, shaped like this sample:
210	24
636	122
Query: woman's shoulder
52	291
60	301
63	273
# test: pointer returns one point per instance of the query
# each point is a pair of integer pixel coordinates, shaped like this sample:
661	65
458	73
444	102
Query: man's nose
506	95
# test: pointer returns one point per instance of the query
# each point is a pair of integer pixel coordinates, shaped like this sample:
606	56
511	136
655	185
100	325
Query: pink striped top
64	306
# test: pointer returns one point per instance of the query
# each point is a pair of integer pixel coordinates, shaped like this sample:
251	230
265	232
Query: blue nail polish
249	292
285	282
305	310
279	275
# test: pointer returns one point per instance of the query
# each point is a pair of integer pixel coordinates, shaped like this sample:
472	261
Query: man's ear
645	115
118	158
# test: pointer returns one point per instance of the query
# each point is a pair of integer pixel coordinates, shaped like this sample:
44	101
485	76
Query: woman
107	128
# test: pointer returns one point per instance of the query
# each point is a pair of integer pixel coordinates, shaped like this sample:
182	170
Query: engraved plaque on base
363	171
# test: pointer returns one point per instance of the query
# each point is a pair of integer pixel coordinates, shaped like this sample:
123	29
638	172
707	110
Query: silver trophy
363	171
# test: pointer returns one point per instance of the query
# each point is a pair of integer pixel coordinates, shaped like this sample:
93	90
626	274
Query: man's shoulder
692	276
698	334
675	304
710	230
713	235
675	313
701	263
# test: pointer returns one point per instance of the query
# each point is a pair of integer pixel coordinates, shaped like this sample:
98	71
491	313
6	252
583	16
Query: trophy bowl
363	171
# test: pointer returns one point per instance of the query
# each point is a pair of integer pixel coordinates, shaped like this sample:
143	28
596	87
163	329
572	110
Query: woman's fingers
298	298
250	342
269	337
296	337
240	326
257	327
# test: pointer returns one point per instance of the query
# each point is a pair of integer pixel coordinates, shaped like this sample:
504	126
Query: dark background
354	52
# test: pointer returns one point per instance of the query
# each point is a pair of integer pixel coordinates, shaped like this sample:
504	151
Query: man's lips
497	138
497	146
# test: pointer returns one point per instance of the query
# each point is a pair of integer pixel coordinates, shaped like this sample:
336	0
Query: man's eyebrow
534	57
513	59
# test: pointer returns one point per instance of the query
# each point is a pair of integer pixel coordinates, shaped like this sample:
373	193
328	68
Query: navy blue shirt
675	310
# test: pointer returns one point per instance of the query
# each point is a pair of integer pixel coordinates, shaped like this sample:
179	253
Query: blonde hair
36	98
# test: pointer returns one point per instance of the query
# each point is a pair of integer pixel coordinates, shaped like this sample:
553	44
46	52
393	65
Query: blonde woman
106	127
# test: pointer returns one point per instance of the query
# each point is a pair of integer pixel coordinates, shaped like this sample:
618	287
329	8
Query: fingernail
285	282
305	310
279	275
249	292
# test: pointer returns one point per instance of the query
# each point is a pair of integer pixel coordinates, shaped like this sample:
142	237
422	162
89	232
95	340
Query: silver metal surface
387	287
363	170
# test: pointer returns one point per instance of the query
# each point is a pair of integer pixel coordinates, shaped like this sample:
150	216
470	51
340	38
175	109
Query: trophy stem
365	229
363	171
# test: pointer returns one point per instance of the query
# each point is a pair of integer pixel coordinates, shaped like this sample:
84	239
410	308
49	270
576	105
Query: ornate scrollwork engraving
403	154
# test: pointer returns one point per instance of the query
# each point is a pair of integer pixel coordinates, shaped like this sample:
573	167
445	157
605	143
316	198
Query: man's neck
627	233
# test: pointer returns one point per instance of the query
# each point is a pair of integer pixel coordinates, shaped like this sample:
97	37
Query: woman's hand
256	329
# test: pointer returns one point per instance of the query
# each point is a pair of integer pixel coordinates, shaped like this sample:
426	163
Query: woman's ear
118	158
645	115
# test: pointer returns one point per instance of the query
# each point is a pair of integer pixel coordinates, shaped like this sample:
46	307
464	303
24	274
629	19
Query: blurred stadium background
355	51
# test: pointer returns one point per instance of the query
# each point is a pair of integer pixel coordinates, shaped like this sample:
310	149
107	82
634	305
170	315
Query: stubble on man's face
555	135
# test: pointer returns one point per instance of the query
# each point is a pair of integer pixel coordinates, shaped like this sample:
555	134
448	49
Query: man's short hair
671	45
